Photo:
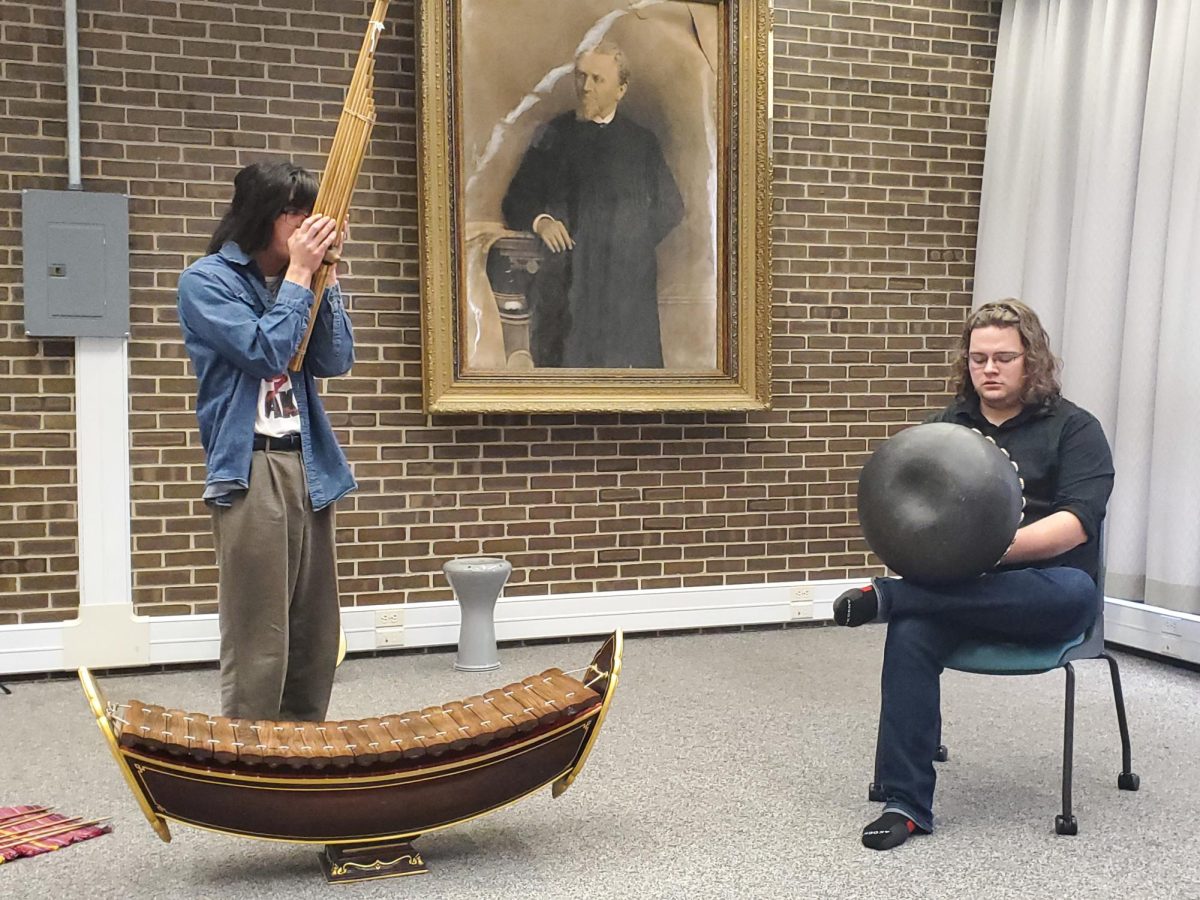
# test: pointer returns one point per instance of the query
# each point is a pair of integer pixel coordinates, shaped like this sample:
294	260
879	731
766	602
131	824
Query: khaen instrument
345	158
364	788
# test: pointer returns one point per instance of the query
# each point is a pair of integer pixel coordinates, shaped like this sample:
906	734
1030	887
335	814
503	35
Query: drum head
939	503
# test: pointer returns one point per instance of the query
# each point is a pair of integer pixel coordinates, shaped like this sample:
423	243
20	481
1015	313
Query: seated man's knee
1081	581
1077	584
1078	593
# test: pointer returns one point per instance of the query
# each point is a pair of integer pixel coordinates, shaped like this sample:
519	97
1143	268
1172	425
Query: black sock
889	830
857	606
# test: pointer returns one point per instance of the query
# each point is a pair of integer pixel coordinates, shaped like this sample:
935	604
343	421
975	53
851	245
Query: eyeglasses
293	211
979	360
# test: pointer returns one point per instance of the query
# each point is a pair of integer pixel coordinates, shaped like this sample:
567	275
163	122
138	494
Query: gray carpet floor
732	765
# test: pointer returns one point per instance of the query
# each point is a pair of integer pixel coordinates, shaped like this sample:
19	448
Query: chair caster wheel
1066	826
942	753
1128	781
875	793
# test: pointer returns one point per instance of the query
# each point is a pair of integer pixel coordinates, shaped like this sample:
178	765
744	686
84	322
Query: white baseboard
1153	629
181	639
31	648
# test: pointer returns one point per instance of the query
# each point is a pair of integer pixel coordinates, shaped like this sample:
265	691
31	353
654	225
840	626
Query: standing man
1042	591
274	465
594	186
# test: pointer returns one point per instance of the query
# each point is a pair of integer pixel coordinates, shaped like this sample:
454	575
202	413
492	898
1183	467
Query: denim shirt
236	335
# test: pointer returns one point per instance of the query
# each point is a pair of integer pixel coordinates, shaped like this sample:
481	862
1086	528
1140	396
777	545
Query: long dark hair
1041	367
261	192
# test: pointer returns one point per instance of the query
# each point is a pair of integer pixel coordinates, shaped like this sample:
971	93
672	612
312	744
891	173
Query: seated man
1044	588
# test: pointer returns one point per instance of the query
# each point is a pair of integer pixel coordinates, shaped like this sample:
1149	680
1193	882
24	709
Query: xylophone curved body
313	783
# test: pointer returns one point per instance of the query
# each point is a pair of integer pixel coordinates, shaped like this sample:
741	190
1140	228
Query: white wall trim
183	639
180	639
102	467
1153	629
31	648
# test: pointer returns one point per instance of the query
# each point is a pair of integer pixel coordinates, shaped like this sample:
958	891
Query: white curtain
1091	214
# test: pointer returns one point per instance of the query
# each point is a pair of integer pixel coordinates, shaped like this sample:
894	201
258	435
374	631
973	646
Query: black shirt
1063	458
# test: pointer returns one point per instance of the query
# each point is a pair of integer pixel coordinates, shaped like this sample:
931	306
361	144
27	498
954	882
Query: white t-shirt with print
277	414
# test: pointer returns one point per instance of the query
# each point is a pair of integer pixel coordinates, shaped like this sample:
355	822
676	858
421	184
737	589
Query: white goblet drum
477	582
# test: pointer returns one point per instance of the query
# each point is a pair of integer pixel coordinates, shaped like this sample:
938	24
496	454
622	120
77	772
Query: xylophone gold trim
428	797
612	676
357	784
95	698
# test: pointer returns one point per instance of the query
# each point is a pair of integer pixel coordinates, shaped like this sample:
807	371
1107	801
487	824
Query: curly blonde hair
1041	365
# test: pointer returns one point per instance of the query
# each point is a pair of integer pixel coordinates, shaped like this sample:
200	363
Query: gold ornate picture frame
595	197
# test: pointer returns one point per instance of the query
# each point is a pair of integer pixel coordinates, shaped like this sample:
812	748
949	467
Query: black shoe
889	830
857	606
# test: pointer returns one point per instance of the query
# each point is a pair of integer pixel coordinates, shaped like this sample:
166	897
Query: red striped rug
43	829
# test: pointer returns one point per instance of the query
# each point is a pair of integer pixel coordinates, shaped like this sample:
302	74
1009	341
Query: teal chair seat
1003	658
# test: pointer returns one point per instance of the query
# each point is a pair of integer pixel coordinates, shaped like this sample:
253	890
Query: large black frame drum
939	503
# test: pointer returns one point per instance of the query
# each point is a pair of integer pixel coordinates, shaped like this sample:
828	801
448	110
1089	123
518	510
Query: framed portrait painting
595	203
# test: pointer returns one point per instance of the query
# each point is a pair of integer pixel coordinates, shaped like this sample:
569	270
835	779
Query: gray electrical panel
76	252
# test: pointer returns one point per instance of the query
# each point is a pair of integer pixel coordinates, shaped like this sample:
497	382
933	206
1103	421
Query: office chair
1003	658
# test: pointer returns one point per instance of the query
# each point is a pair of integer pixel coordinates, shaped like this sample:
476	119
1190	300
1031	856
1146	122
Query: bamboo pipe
345	159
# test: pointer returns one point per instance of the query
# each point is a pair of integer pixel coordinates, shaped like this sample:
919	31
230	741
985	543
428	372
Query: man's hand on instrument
554	234
333	255
307	247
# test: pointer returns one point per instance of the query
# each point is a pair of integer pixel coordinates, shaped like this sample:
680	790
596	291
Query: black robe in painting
596	305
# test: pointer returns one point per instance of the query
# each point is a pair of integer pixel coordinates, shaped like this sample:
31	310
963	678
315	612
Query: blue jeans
925	626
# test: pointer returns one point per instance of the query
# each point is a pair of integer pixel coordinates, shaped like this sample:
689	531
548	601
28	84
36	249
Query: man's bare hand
554	234
307	247
333	255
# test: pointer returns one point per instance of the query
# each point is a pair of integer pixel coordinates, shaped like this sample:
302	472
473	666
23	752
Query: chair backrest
1093	639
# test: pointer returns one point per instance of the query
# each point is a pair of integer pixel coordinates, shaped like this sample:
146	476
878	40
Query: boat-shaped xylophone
364	788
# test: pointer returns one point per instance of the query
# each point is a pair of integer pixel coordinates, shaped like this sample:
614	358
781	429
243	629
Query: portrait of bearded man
595	188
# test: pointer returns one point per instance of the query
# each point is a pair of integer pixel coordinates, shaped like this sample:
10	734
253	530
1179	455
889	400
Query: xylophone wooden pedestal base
366	862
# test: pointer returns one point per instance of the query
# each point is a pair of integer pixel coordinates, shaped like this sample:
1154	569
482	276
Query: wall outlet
802	602
389	637
389	618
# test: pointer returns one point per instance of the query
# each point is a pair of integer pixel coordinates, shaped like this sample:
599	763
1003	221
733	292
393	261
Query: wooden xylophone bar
398	739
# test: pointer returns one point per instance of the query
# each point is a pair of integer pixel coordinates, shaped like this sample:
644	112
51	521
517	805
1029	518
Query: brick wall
879	120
